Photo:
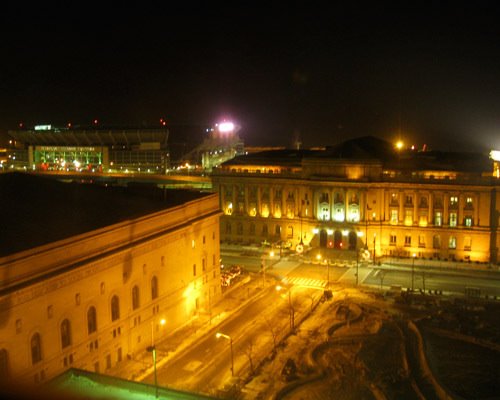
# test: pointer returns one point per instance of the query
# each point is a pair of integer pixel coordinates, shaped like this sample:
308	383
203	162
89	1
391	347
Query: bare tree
248	350
273	330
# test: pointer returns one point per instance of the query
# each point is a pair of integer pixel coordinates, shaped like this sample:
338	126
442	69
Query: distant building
364	194
222	143
88	273
90	149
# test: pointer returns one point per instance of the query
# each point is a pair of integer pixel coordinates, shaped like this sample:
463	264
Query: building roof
286	157
370	148
37	210
127	137
78	384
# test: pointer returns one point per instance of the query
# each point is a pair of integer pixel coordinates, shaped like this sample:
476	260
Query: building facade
362	194
91	300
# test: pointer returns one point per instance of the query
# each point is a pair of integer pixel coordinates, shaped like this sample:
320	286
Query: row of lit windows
436	241
423	202
468	220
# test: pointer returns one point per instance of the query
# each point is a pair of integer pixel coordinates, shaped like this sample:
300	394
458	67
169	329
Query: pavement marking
315	283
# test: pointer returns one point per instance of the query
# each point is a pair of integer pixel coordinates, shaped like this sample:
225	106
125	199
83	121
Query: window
19	325
409	200
135	297
154	287
239	228
65	334
252	229
468	202
203	239
4	365
438	218
91	320
289	232
228	228
115	308
408	240
453	201
77	299
421	241
467	243
468	221
408	217
422	220
393	240
277	230
436	242
50	311
325	213
394	216
36	348
453	219
452	242
264	230
194	269
394	198
423	202
203	265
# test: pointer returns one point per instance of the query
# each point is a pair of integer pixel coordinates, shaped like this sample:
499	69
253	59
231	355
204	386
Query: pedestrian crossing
304	282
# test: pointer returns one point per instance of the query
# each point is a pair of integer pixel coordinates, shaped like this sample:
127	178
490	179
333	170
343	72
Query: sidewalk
141	364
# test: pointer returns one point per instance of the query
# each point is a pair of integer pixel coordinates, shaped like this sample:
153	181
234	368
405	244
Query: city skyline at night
427	74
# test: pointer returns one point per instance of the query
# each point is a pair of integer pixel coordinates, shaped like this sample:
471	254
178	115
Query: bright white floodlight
495	155
226	127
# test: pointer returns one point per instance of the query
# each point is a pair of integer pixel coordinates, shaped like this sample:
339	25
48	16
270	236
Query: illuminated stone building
92	149
88	273
364	194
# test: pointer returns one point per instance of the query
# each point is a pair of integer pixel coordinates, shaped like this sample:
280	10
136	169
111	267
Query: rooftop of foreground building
36	210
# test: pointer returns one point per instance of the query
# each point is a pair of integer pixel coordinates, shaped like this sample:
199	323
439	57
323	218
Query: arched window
36	348
4	365
65	334
115	308
154	287
91	320
135	297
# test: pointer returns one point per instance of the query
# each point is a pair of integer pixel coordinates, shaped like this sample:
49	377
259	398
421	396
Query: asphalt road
205	367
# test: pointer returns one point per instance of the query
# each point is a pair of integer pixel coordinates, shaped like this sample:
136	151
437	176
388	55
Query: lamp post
357	266
219	335
413	271
152	349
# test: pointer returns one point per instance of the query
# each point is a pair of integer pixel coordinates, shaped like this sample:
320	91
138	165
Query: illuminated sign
43	127
66	148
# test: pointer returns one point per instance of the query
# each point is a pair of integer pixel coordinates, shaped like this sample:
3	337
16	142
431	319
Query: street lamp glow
318	257
399	145
271	253
219	335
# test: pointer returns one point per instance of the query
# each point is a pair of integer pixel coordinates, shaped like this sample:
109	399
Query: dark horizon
425	74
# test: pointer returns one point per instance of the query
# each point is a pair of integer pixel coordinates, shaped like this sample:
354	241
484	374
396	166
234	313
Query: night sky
430	74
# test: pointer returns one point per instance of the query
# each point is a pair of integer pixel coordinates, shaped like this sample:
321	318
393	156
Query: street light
413	270
162	322
152	349
219	335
